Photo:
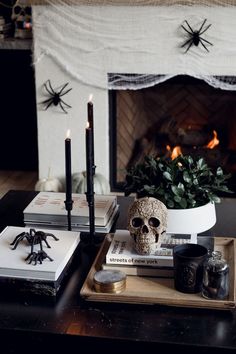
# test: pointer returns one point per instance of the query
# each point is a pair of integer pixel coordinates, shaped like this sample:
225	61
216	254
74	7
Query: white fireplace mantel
159	29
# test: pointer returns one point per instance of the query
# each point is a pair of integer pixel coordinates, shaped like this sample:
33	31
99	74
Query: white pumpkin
49	184
79	183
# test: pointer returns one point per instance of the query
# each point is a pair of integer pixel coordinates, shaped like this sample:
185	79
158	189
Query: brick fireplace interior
181	115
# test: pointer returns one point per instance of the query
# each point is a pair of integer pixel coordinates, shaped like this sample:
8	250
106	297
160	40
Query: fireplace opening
181	115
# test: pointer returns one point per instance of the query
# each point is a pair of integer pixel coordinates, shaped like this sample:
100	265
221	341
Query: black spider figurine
55	97
195	36
37	257
34	237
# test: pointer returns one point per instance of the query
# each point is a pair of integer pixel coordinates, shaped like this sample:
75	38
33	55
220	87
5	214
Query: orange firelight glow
176	152
214	142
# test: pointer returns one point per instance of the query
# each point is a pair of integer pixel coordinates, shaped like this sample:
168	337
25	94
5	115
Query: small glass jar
215	277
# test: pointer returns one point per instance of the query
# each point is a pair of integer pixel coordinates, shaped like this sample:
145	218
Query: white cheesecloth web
136	44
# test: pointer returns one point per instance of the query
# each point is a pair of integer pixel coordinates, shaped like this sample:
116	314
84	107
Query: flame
68	134
175	152
214	142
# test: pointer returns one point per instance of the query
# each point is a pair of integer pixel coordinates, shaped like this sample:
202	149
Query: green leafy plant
185	182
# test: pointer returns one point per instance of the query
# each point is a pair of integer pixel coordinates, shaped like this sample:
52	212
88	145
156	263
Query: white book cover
121	250
13	264
50	206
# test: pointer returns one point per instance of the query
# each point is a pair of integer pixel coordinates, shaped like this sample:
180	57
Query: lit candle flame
68	134
90	97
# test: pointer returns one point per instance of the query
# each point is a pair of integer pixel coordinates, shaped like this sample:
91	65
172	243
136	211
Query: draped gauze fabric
110	45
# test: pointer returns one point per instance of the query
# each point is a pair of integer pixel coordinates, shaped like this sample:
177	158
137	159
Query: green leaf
177	199
181	187
185	182
167	176
170	204
183	203
187	177
219	171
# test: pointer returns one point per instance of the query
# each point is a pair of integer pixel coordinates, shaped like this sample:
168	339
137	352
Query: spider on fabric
55	96
195	36
34	237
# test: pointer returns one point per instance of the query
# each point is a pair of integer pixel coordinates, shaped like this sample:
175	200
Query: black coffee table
42	325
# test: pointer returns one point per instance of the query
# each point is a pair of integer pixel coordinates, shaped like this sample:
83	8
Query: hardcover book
50	207
143	271
43	278
74	226
122	252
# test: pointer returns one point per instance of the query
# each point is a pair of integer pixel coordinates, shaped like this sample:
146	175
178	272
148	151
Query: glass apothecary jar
215	277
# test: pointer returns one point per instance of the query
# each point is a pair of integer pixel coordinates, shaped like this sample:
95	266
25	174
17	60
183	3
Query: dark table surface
67	322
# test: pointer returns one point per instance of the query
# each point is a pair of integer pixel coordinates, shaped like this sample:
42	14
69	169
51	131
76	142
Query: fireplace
137	36
181	115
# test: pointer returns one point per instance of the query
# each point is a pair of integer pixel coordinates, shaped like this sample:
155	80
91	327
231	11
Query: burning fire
214	142
175	152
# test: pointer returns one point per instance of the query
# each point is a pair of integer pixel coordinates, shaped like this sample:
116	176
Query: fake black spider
38	257
34	237
195	36
55	97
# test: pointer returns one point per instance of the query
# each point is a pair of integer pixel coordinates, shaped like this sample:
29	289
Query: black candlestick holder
90	201
69	207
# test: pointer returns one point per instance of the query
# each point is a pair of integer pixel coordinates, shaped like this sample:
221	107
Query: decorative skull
147	222
22	15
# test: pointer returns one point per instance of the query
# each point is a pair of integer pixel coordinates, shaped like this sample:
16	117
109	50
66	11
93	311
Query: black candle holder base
69	207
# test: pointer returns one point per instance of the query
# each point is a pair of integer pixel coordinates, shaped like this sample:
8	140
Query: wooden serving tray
150	290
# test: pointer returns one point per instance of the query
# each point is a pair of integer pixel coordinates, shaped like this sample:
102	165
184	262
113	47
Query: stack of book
6	29
47	210
44	279
121	255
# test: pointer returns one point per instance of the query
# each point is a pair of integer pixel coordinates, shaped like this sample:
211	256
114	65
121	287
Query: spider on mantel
195	37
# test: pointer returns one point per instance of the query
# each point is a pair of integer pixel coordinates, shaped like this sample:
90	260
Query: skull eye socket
28	10
154	222
137	222
17	9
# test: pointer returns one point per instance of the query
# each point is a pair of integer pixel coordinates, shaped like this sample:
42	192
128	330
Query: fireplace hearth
181	115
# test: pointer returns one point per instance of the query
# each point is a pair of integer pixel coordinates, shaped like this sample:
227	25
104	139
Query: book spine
5	27
150	261
4	35
162	272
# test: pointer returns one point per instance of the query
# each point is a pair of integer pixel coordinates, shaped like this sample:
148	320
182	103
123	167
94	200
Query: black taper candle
68	201
89	160
91	126
90	187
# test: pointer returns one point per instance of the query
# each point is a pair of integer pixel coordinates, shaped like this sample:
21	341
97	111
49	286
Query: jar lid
216	262
109	281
